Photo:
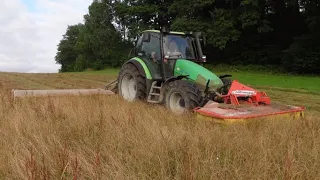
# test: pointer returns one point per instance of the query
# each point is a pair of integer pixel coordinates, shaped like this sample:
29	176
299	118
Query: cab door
148	49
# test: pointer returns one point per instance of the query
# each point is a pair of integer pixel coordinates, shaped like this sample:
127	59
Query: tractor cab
160	50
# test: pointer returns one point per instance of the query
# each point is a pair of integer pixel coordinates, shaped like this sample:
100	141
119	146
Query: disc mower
167	69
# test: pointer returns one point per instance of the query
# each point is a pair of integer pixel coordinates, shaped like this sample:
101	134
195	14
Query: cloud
30	31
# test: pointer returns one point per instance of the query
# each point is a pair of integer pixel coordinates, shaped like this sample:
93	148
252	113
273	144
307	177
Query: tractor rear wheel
182	96
131	84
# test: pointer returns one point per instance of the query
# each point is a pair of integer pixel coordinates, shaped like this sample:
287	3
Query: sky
30	31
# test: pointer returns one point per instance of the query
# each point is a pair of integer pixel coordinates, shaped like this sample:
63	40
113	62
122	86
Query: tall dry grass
106	138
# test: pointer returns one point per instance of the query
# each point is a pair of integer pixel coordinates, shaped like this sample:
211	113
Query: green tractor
166	69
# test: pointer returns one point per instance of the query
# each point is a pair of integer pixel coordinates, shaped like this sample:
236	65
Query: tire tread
141	82
191	90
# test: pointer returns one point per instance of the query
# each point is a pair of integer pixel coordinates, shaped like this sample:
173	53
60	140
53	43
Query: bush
303	56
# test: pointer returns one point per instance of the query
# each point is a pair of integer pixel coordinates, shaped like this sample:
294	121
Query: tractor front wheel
131	84
182	96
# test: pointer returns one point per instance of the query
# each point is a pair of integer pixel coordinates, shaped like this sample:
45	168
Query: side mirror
146	37
203	41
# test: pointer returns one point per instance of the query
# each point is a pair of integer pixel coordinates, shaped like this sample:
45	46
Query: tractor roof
171	32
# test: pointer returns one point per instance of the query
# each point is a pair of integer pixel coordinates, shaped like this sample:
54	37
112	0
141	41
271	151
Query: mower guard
243	103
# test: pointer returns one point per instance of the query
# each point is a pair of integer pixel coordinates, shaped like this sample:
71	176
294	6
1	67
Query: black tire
226	85
129	70
187	91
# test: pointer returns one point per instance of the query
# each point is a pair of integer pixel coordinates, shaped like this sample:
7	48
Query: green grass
307	84
262	80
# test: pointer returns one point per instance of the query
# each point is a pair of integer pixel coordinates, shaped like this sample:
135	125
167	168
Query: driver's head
173	47
170	45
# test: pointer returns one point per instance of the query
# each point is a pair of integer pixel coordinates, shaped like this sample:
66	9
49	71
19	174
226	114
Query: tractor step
154	94
157	87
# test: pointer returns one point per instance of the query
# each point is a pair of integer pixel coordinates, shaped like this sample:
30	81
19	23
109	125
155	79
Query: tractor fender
224	76
173	78
138	65
143	70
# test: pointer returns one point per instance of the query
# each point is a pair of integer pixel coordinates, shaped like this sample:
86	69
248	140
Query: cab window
149	46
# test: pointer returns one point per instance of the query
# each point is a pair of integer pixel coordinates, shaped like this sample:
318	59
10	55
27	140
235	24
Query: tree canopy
280	33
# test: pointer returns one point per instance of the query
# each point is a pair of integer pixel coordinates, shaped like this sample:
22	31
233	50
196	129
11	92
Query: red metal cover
238	90
245	112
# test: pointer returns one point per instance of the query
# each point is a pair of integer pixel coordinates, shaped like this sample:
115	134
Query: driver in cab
170	48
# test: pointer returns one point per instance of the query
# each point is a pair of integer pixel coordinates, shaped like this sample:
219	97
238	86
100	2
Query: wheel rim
128	87
177	103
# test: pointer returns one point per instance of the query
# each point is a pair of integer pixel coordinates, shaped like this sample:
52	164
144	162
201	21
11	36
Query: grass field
103	137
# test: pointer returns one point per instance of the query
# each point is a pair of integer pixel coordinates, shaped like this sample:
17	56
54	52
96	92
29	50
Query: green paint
197	73
145	68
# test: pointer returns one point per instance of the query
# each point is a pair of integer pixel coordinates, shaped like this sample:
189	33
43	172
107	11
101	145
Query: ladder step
151	95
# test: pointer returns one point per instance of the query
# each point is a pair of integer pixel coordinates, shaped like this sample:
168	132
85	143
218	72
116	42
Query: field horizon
104	137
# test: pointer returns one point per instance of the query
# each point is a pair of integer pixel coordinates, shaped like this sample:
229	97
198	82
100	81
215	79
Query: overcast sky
30	31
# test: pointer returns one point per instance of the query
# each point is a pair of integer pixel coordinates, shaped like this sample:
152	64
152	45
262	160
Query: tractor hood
197	73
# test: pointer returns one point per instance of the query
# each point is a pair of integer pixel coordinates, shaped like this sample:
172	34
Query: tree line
279	33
